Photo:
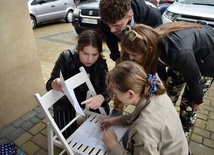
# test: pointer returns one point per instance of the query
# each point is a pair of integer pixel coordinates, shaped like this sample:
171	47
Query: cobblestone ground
29	132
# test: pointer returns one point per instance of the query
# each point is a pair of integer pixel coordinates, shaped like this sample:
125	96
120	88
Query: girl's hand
56	85
169	80
107	122
197	107
109	138
94	102
104	125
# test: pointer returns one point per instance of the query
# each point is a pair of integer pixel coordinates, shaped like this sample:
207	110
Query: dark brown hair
113	10
89	37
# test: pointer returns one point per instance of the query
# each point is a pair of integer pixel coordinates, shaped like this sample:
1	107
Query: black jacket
69	64
142	14
191	52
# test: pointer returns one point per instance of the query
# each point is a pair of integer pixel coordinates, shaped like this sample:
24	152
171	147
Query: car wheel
69	16
33	22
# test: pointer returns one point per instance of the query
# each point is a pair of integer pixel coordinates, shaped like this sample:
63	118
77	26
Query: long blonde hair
148	44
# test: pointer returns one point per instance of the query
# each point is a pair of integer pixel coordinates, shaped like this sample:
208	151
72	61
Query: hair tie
152	79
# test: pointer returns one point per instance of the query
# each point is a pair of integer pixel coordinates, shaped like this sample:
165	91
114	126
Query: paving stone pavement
29	132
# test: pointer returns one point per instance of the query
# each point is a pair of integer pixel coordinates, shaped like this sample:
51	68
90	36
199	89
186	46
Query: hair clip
152	79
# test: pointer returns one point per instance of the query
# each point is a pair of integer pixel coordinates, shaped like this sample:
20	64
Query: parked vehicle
86	15
191	11
164	4
158	3
42	11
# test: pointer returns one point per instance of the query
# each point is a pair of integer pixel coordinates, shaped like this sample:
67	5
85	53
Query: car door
61	7
45	10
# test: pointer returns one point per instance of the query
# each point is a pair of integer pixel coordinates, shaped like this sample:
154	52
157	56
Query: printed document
71	96
89	134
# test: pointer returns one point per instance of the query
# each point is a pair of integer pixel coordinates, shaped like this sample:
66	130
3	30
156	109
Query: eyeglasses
132	34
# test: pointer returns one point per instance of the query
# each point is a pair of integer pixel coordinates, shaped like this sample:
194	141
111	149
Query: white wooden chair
55	136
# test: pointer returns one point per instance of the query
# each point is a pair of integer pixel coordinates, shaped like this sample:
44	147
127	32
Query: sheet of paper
89	134
71	96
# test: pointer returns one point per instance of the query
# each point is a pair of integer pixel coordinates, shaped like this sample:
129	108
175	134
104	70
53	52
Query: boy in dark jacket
116	14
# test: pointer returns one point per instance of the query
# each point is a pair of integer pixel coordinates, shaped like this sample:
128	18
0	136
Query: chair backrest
51	97
46	102
79	79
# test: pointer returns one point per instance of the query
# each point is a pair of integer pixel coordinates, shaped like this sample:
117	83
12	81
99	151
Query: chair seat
84	149
79	148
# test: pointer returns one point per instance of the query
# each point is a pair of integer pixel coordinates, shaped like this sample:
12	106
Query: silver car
49	10
200	11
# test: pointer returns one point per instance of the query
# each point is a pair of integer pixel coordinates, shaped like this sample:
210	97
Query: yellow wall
20	71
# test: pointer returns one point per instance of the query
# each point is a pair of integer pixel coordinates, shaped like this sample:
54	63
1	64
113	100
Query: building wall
20	71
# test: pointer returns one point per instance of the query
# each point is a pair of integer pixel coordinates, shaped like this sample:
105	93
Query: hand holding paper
71	96
56	85
109	138
89	134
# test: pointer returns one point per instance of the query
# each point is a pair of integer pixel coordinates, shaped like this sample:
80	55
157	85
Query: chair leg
50	140
190	153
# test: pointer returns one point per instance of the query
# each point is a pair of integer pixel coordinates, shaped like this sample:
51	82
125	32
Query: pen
103	125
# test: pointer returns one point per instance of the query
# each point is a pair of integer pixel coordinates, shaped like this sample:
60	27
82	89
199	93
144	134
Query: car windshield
197	2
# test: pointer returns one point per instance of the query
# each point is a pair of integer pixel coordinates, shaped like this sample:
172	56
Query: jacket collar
140	106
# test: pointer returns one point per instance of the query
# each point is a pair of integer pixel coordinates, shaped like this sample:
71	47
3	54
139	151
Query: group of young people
163	57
